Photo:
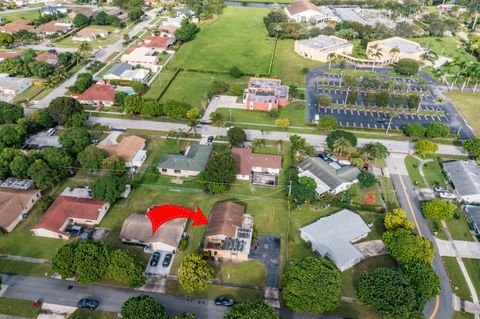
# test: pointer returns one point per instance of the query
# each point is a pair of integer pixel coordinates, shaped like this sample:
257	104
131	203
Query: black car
74	230
86	235
155	259
167	260
325	157
87	303
210	139
224	301
382	120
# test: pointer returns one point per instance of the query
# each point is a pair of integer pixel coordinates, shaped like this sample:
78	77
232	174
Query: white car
446	195
344	162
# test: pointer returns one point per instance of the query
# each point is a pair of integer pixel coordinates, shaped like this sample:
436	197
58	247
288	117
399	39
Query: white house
13	86
465	178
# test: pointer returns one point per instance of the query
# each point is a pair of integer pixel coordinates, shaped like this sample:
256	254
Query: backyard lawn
19	308
249	272
413	171
459	285
468	104
159	84
237	38
29	14
97	43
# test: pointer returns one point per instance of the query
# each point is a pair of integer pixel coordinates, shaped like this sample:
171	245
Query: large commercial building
320	48
394	49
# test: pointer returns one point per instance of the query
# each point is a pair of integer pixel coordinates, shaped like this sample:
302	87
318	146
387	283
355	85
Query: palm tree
193	125
258	142
217	119
376	53
331	56
394	52
84	50
342	145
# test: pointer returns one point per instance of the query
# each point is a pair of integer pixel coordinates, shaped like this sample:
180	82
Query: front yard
19	308
28	14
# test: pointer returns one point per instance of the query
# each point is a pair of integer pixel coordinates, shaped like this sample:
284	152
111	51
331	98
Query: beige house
73	206
320	48
130	149
137	228
393	49
191	163
16	202
229	233
13	86
142	56
90	34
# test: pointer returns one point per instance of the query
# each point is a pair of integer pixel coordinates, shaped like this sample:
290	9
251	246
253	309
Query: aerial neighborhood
170	159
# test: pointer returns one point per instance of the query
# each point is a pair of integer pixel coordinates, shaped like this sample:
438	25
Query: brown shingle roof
127	148
12	204
301	6
52	27
224	219
98	92
90	32
85	11
47	57
160	43
17	25
139	227
245	160
65	207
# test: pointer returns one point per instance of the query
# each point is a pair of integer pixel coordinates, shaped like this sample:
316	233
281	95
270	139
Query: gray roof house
191	163
465	177
329	177
115	73
332	237
473	215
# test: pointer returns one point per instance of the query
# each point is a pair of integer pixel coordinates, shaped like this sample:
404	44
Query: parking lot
159	270
433	100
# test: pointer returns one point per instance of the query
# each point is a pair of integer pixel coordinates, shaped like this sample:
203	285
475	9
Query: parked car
52	51
50	45
344	162
86	235
210	139
224	301
51	131
74	230
167	260
155	259
382	120
324	156
332	157
446	195
439	189
88	303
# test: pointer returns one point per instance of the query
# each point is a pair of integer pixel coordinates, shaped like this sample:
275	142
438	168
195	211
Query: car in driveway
446	195
86	235
210	140
74	230
167	260
88	303
155	259
439	189
224	301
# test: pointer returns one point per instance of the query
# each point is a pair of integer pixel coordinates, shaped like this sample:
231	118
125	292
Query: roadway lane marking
437	304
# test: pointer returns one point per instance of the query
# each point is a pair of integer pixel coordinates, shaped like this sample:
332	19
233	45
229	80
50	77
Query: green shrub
407	67
183	244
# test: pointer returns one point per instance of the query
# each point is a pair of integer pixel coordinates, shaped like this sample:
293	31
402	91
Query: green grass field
29	14
389	192
24	268
31	92
473	269
97	43
249	272
413	171
434	173
468	104
459	285
20	308
237	38
88	314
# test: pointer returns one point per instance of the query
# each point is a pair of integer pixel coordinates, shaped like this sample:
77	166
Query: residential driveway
464	249
371	248
225	101
43	139
111	138
268	251
159	270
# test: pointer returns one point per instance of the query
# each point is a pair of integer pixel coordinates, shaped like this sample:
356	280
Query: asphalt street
408	200
319	82
68	293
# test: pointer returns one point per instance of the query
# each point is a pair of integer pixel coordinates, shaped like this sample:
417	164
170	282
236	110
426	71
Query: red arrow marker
159	215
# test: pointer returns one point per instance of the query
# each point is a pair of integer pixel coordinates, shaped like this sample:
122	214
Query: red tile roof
4	55
17	25
98	92
47	56
157	42
245	160
65	207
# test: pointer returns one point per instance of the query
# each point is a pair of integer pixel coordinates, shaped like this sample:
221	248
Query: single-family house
168	29
90	34
473	216
53	10
17	25
156	42
89	13
307	12
73	206
52	27
49	57
142	56
465	178
333	237
191	163
137	229
389	47
265	94
116	71
321	47
119	13
124	71
131	149
13	54
13	86
17	197
98	94
329	177
260	169
229	233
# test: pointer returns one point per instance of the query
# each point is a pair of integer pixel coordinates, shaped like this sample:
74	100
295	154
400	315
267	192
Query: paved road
402	147
101	55
111	299
367	119
443	308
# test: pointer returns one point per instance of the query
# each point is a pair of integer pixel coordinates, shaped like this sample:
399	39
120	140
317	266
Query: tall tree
220	172
143	307
75	139
247	310
108	187
91	157
61	108
236	136
406	247
195	273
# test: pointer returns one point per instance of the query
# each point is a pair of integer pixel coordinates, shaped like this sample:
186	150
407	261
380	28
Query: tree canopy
61	108
236	136
75	139
406	247
473	147
407	67
437	129
397	218
424	147
438	209
327	122
312	285
195	273
108	187
414	130
335	135
304	189
366	179
10	113
425	280
187	31
247	310
220	172
91	157
143	307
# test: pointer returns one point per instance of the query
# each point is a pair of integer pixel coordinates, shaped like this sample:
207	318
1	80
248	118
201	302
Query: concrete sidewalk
460	248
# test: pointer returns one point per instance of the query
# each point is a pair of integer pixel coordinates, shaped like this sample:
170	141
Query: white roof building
332	237
465	177
13	86
305	11
320	47
142	56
